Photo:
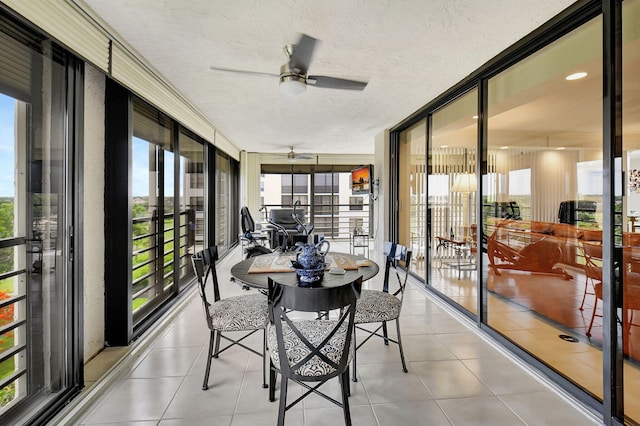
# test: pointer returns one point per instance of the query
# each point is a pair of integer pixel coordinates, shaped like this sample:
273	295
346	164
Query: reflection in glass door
542	205
412	230
223	190
452	189
192	214
35	326
630	307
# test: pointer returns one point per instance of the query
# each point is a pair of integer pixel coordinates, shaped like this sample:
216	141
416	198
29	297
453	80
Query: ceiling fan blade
335	83
257	73
302	53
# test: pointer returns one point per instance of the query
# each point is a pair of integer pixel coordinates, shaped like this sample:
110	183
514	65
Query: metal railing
153	253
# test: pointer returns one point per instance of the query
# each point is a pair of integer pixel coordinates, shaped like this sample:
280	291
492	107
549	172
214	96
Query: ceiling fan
293	74
293	156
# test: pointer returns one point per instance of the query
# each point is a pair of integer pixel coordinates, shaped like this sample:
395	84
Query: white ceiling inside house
409	52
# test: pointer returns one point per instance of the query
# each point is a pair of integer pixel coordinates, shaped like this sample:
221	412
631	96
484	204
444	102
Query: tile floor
534	311
455	377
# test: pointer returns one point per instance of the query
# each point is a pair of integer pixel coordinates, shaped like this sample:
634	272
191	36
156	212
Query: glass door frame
570	19
68	356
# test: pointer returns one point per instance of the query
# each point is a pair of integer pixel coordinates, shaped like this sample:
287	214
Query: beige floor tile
166	362
481	410
191	401
449	379
387	383
136	400
410	413
502	376
455	376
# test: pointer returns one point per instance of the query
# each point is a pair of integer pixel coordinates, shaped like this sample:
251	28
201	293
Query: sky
7	137
140	165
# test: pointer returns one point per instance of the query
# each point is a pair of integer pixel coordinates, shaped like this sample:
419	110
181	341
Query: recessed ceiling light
560	148
475	117
576	76
444	146
504	147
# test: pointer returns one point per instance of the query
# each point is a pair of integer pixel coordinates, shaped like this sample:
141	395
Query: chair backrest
248	225
284	217
298	216
592	260
396	255
204	265
285	304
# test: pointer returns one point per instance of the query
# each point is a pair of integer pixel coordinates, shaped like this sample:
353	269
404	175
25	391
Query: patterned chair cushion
315	331
239	313
376	306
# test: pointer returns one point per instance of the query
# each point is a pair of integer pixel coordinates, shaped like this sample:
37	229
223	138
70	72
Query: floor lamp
465	183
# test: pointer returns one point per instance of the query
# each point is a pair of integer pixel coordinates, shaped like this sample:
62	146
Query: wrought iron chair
311	350
245	313
381	306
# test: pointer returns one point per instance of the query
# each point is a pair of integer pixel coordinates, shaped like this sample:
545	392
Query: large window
452	190
226	205
175	195
544	144
37	297
412	230
556	241
191	211
324	194
153	201
296	184
326	183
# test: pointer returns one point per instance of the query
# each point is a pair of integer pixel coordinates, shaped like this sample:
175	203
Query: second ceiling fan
292	156
294	77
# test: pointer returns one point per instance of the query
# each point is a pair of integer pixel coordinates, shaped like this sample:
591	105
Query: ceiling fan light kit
292	86
291	82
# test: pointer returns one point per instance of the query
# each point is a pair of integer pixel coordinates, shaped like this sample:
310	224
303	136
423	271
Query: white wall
250	181
93	214
381	191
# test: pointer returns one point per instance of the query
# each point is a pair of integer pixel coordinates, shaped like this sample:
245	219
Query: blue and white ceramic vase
310	261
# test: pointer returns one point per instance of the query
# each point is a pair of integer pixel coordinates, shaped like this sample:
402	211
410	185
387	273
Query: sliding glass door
191	232
152	203
36	297
412	229
543	205
452	189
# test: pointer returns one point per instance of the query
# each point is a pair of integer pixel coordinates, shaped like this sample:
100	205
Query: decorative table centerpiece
310	262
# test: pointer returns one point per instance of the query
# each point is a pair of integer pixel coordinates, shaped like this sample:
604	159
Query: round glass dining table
244	272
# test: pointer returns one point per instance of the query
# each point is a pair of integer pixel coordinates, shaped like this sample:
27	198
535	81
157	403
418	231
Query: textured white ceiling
410	51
